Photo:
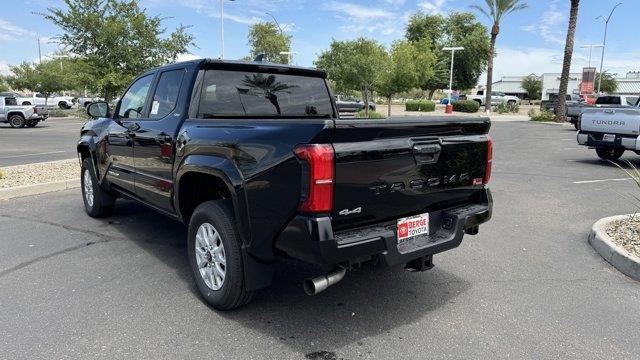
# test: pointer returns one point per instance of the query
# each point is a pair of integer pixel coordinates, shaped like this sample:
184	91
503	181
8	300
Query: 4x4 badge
357	210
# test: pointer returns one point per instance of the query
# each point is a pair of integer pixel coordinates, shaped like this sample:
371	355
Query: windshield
243	94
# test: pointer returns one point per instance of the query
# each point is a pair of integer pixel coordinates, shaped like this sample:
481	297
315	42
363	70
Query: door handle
426	153
163	139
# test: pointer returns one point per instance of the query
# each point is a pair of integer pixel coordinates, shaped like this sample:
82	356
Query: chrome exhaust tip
313	286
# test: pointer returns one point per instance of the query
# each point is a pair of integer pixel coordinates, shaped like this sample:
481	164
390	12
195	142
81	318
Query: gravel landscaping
626	233
38	173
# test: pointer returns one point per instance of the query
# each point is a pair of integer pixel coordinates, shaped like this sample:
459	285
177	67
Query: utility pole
453	51
590	47
604	42
222	29
39	52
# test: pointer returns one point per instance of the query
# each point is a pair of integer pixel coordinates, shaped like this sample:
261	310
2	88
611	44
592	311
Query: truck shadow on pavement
369	301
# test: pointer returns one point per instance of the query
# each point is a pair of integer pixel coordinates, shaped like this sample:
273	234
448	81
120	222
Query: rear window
228	93
10	101
608	100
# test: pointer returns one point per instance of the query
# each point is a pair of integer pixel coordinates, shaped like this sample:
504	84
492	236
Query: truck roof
249	65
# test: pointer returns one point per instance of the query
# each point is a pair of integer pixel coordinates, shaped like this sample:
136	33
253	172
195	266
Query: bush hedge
466	106
420	105
544	115
372	115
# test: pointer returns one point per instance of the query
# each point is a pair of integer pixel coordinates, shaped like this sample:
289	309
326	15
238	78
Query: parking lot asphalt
53	139
528	286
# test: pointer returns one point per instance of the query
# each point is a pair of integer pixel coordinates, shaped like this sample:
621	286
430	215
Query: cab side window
132	103
166	94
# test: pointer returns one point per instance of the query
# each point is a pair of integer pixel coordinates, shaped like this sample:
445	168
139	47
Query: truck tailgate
620	120
398	167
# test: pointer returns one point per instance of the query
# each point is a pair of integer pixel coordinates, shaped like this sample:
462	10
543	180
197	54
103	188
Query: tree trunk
389	106
431	92
366	100
492	48
561	106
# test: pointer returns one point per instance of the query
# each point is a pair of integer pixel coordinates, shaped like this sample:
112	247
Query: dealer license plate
411	227
608	138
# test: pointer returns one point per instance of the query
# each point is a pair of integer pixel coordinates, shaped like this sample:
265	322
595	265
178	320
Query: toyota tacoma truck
611	130
496	98
20	116
253	158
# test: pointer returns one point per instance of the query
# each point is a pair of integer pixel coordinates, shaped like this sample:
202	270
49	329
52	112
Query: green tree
354	65
267	38
533	86
458	29
609	83
116	39
409	65
496	10
4	84
561	107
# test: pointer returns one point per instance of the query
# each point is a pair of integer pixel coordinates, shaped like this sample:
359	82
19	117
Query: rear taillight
487	172
319	197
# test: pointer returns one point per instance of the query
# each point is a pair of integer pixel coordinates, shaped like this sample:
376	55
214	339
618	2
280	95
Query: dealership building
512	85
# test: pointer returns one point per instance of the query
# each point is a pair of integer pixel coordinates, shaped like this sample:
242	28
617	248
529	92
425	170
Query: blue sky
531	41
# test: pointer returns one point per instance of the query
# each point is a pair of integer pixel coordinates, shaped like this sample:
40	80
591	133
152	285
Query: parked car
258	173
347	104
63	102
575	110
496	98
86	101
20	116
611	131
550	105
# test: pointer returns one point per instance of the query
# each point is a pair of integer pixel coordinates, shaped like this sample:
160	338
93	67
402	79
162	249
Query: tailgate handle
426	153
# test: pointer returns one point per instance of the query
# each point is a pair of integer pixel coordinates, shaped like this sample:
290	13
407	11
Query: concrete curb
36	189
614	254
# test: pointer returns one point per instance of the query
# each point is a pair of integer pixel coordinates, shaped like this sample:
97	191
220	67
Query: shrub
420	105
504	108
57	113
466	106
544	115
372	115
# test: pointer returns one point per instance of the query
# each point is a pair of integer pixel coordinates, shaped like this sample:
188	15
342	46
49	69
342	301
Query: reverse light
487	172
321	177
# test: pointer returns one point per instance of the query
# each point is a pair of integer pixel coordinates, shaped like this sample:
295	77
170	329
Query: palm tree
495	10
561	106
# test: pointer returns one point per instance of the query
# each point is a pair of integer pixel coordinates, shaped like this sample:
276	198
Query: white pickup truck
63	102
496	98
19	116
611	131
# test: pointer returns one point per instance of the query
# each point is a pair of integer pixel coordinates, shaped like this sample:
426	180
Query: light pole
222	28
590	47
289	55
604	42
453	51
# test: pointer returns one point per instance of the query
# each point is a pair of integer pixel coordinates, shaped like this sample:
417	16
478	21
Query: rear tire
16	121
224	292
97	201
609	153
63	105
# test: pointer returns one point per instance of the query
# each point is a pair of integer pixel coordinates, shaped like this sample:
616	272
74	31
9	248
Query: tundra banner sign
588	80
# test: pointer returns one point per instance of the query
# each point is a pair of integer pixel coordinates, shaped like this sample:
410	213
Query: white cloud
11	32
358	12
551	26
205	7
432	7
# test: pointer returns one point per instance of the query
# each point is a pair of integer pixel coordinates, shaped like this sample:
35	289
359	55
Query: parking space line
599	181
32	154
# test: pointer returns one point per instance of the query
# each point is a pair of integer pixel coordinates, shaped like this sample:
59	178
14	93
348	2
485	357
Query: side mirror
98	109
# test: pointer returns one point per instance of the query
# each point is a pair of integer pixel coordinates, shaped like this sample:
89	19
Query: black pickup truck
254	159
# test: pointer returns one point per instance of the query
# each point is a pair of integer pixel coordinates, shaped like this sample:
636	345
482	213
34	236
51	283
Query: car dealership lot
528	286
53	139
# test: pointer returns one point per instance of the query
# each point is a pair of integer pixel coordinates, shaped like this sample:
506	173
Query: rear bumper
591	139
312	239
